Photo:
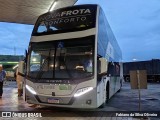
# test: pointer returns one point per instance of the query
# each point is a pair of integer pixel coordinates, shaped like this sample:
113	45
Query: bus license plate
51	100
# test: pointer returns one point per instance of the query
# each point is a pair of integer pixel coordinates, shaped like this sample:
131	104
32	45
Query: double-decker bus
73	59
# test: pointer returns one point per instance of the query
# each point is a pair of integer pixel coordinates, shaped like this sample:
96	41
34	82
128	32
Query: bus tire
120	86
107	92
103	105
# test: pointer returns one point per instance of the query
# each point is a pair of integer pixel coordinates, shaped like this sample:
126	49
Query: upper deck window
66	19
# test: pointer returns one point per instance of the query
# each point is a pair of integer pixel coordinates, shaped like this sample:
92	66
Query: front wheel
107	92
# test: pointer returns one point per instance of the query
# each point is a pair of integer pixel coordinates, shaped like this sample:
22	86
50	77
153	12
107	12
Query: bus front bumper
88	100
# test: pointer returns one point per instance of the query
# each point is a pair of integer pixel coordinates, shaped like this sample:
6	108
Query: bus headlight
83	91
30	89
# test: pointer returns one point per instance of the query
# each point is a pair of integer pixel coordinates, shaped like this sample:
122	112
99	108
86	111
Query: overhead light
53	5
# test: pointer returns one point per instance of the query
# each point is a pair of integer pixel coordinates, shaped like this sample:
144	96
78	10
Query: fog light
88	102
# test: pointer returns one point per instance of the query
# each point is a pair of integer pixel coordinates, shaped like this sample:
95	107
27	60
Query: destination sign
68	18
61	14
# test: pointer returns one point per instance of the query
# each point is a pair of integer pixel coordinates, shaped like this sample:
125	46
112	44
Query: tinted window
76	17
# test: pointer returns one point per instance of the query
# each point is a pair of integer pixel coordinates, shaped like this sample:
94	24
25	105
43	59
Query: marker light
82	91
30	89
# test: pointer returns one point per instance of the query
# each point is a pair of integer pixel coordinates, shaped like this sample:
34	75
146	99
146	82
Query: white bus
73	59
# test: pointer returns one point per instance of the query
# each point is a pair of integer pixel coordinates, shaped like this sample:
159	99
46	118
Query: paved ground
126	100
129	99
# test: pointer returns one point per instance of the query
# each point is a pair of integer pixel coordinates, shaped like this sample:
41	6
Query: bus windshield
62	59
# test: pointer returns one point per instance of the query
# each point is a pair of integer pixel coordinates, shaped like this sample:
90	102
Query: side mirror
103	66
26	56
21	67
